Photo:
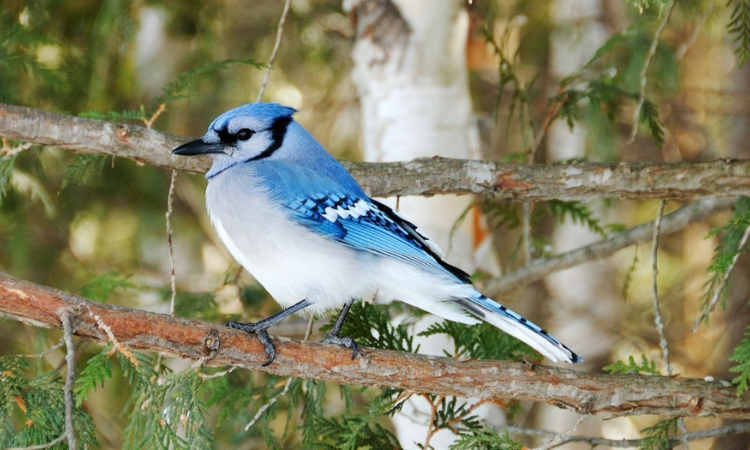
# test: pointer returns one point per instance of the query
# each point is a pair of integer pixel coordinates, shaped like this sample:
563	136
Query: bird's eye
245	134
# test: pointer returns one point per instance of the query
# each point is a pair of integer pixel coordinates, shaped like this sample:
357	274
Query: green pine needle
739	27
620	367
98	370
6	170
485	439
82	168
658	436
741	356
578	213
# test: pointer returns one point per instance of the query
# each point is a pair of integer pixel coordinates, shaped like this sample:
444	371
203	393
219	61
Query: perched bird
303	227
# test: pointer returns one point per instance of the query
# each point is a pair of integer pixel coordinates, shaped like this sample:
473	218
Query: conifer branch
585	393
432	176
639	234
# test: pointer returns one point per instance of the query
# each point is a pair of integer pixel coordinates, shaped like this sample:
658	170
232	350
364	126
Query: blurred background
96	226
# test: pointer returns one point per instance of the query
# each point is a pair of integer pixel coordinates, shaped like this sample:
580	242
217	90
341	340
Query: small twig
682	49
206	376
729	430
655	289
557	439
657	314
640	234
276	398
170	200
644	70
527	247
275	50
431	428
59	344
70	376
7	150
723	285
150	121
116	345
49	444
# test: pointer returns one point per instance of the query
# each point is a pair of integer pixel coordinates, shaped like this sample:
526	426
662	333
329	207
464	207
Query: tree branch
533	182
640	234
586	393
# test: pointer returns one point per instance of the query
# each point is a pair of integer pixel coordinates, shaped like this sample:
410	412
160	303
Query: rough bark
586	393
426	177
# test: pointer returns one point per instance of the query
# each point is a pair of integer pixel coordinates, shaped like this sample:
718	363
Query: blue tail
512	323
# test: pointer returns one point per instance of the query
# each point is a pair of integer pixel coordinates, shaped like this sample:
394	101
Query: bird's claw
346	342
262	333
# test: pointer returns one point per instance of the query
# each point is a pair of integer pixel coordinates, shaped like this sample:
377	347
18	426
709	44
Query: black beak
198	147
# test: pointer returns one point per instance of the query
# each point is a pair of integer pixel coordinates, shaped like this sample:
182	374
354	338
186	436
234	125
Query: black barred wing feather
367	225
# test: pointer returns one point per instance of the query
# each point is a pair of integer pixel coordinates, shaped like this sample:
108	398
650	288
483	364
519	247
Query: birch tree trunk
410	72
587	287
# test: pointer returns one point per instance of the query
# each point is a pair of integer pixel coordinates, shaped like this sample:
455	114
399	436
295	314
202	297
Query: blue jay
303	227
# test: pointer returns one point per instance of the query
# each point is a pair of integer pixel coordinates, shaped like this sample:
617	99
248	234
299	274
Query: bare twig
49	444
7	150
150	121
655	290
432	176
170	200
586	393
275	50
723	285
116	345
70	376
646	64
527	248
283	393
558	439
637	235
729	430
59	344
682	49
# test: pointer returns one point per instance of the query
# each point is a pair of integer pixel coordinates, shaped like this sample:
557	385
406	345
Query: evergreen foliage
102	287
731	235
739	26
83	168
97	371
658	436
646	366
32	408
6	171
485	439
741	356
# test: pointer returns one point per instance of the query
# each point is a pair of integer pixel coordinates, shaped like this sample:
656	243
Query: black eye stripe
226	137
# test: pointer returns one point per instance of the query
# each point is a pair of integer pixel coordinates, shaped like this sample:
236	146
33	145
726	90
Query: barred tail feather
515	325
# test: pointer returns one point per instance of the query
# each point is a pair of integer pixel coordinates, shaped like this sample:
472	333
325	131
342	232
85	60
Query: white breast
290	261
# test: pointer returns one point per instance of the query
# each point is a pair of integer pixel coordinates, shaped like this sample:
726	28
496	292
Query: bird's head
246	133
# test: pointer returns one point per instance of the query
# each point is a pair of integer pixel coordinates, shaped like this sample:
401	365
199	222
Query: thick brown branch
583	392
533	182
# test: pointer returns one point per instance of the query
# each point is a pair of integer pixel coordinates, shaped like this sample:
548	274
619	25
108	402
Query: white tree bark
410	71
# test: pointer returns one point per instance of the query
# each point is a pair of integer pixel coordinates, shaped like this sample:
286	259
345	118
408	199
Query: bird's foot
347	342
261	331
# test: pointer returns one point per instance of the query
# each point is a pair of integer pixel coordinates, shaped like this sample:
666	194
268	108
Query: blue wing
329	201
367	225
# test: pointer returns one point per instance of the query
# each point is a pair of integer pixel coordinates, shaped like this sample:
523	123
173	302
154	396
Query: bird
301	225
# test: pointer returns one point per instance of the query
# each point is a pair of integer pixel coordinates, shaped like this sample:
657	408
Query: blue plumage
299	222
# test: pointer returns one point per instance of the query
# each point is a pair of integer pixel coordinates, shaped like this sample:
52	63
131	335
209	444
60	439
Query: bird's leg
333	336
260	328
